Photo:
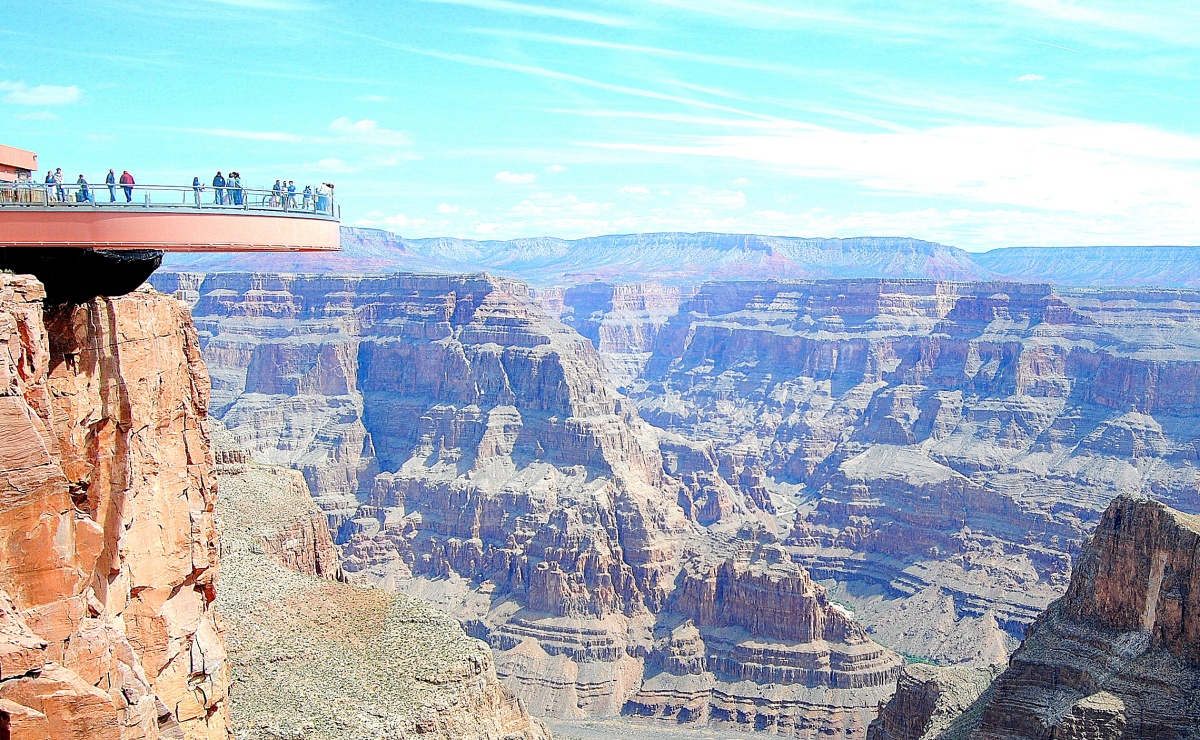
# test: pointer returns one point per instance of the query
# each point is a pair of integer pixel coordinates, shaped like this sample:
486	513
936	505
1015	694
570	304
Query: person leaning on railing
127	184
111	180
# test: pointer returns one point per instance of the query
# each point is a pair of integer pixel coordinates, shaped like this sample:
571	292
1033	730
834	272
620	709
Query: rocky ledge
313	657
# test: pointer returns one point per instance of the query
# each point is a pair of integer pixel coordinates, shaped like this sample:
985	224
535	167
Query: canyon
715	504
124	615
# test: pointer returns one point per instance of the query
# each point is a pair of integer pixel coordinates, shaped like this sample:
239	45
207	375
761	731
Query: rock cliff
469	449
1119	655
314	658
108	553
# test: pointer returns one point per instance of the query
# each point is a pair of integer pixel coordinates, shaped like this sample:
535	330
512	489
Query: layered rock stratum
1119	655
1116	658
318	659
108	550
469	448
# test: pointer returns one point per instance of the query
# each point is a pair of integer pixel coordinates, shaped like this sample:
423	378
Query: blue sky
978	123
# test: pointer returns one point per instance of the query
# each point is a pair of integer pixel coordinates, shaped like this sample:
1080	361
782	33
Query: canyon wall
108	551
945	446
469	449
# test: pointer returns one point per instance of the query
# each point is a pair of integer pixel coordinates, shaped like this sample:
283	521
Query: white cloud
516	178
1030	78
227	133
555	169
333	164
741	181
41	115
401	221
1088	167
635	190
288	5
373	98
446	208
728	199
368	131
18	93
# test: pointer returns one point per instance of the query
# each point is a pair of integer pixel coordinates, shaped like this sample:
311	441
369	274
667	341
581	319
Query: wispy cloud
516	178
285	5
19	93
1031	78
368	131
1171	21
41	115
227	133
638	49
551	74
539	11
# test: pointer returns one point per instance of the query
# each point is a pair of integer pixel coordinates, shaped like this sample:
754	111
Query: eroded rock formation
108	553
1119	655
470	449
947	444
933	702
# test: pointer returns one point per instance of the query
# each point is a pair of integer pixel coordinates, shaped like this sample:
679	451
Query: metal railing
74	195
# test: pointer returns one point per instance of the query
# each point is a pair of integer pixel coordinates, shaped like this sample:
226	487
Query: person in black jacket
219	189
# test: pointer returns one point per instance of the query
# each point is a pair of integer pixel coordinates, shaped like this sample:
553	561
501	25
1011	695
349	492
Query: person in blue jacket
219	189
111	179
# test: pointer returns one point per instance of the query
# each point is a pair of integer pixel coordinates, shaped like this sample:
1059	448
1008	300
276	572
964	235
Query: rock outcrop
1119	655
316	658
470	449
108	553
932	702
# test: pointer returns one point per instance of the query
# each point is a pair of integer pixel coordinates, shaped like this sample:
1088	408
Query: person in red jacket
127	185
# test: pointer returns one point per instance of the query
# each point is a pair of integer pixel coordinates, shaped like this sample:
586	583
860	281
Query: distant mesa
675	258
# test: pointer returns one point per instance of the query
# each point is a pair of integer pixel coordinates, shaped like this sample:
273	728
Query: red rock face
107	543
1119	655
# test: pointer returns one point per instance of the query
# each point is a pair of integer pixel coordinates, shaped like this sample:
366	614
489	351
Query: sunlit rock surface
108	552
